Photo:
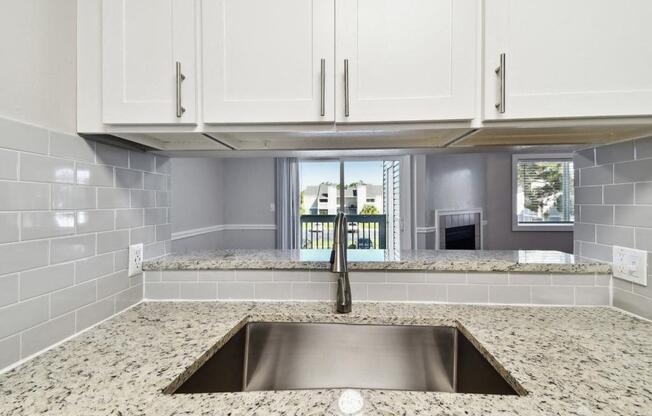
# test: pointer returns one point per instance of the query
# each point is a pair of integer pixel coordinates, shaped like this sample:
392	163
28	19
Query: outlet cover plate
135	259
630	264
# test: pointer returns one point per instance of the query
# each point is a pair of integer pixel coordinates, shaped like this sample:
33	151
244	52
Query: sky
314	173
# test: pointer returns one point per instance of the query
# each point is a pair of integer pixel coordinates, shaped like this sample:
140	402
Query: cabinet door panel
409	60
142	41
583	58
262	60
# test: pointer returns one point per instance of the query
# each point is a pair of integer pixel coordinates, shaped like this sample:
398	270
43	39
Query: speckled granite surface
448	260
572	361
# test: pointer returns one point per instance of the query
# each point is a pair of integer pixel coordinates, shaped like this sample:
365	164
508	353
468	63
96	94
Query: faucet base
343	304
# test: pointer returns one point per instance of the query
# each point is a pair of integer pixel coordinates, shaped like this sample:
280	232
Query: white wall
38	50
481	180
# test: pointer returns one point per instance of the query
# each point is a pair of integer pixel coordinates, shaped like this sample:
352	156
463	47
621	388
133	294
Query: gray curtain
287	203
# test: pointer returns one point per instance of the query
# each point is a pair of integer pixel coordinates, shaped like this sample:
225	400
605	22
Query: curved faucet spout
339	264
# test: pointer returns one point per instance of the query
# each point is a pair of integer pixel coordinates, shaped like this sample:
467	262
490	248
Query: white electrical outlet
630	264
135	259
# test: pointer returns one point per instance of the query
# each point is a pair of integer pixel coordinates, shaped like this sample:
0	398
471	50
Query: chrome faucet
339	264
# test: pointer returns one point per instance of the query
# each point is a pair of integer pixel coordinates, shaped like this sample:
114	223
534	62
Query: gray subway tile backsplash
96	312
94	175
72	147
643	148
630	200
112	284
72	248
72	298
111	155
73	197
38	168
155	182
21	136
8	164
584	159
24	315
46	334
142	161
15	257
633	171
615	236
643	193
635	216
9	351
143	199
8	289
163	165
617	152
24	196
46	224
94	267
128	218
113	198
128	178
64	231
9	228
588	195
584	232
597	214
598	175
95	220
112	241
644	241
38	282
618	194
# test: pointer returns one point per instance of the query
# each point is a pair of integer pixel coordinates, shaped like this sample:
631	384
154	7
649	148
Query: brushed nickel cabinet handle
500	71
180	79
346	88
323	87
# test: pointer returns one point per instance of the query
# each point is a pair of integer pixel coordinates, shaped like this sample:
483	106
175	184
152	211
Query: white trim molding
180	235
426	230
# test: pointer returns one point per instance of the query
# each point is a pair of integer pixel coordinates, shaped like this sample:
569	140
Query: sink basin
298	356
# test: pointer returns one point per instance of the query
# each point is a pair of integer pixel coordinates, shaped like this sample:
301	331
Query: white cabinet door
142	42
579	58
262	61
408	60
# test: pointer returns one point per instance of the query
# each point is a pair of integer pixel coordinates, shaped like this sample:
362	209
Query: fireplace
460	238
459	230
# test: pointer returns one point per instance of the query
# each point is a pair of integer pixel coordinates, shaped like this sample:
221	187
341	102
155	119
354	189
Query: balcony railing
364	231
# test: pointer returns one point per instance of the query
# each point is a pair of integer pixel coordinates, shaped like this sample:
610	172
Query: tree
369	209
302	209
541	186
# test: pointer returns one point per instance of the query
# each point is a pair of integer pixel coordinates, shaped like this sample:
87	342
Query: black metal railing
364	231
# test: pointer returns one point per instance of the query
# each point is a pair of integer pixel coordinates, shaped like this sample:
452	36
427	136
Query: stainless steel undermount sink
298	356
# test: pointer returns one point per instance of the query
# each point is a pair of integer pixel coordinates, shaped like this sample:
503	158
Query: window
542	192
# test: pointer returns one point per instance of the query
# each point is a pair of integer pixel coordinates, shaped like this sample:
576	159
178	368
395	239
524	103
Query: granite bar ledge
526	261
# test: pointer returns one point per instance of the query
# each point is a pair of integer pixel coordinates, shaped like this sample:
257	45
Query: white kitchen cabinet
580	58
144	42
268	61
408	60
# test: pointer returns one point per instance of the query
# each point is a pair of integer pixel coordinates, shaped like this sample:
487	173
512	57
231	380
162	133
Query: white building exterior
324	198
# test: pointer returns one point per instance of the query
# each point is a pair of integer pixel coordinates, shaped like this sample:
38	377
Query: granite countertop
571	361
537	261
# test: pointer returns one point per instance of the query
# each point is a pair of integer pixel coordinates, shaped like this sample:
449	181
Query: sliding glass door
367	191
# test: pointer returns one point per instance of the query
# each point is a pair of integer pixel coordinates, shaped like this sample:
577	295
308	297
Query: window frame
548	157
